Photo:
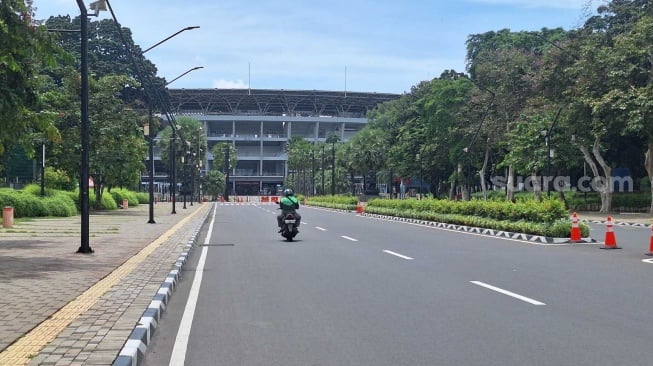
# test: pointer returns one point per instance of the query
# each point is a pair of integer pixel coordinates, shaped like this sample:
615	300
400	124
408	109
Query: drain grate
217	245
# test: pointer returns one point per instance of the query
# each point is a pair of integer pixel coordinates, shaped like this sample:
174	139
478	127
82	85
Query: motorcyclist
288	204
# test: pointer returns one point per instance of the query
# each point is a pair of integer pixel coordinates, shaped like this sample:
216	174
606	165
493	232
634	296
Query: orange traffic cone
610	240
359	208
650	245
575	230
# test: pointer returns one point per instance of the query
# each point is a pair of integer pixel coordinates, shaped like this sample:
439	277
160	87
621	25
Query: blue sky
361	45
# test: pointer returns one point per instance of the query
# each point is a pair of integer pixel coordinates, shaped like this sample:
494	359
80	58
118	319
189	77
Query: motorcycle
289	227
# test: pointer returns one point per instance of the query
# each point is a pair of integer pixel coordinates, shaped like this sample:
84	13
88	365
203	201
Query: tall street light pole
151	141
173	154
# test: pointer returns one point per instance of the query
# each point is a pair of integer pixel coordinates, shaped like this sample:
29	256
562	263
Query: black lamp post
184	184
84	247
150	136
226	173
332	139
547	140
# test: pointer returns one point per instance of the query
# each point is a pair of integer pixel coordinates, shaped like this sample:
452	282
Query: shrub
143	197
120	194
28	204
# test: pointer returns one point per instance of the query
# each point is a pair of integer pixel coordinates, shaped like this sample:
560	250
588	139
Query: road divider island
547	217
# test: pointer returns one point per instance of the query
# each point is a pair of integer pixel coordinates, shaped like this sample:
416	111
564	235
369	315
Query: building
259	123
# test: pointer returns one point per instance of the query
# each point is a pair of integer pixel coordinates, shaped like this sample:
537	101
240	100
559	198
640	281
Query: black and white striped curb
133	352
538	239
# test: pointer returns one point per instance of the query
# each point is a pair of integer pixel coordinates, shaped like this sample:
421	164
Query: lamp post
173	172
226	173
150	136
549	152
332	139
183	167
85	247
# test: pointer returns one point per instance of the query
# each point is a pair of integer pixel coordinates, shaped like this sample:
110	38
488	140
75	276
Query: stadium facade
260	122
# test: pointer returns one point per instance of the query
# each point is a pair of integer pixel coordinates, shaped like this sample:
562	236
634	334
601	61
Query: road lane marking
320	228
397	254
348	238
178	356
506	292
648	260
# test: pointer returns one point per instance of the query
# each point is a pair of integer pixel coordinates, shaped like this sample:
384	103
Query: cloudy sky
357	45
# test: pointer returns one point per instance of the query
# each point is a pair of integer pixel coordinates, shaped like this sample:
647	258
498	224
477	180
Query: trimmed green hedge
339	202
559	228
548	210
121	194
29	203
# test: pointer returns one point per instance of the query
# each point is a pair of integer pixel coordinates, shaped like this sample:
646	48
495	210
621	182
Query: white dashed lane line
348	238
506	292
397	255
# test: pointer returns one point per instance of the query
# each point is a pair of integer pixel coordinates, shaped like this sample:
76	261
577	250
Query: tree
25	49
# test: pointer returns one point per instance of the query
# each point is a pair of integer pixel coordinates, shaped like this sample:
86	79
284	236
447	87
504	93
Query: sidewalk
625	219
62	308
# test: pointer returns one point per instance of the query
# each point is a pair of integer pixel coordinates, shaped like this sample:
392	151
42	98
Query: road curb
536	239
133	352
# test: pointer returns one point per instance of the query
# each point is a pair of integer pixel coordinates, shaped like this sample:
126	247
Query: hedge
29	203
340	202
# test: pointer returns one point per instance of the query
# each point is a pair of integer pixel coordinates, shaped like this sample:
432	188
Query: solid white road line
505	292
178	356
320	228
348	238
398	255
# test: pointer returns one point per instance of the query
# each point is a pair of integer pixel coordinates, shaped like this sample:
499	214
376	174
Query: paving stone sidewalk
640	219
41	274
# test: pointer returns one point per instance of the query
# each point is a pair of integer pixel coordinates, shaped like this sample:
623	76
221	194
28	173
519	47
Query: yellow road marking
21	351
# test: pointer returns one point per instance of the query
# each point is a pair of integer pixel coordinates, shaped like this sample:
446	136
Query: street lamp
549	152
96	6
332	139
185	183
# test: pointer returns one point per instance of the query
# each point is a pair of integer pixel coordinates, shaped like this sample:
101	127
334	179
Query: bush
28	204
143	197
120	194
547	210
560	228
341	202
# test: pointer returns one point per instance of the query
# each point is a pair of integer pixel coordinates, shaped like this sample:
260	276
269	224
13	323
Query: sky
383	46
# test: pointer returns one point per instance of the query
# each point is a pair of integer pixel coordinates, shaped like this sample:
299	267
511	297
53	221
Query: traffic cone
575	236
359	208
610	240
650	245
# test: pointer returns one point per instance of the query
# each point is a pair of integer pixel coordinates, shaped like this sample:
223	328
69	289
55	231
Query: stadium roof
276	102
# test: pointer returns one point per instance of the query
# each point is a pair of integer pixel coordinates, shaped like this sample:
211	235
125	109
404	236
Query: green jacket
289	204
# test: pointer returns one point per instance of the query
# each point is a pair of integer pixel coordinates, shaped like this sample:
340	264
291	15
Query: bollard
8	217
125	203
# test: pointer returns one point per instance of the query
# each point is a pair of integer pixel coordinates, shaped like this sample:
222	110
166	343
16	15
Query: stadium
259	123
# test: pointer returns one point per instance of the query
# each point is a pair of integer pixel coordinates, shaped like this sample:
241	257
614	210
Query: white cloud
229	84
563	4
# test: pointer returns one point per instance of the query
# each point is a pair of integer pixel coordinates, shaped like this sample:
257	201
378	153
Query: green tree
25	49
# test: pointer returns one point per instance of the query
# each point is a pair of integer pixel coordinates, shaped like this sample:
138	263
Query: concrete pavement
62	308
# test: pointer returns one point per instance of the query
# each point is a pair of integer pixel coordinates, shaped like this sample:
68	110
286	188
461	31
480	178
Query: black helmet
288	192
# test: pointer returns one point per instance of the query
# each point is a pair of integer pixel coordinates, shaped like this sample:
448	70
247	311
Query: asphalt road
360	291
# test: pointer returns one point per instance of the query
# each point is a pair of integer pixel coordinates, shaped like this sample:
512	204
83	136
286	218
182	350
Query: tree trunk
510	186
537	188
464	191
481	172
454	183
606	199
606	190
648	164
